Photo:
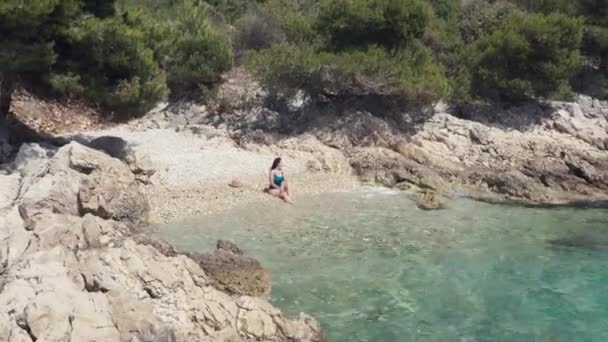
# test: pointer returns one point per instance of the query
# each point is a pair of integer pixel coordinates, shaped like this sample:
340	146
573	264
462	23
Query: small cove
372	267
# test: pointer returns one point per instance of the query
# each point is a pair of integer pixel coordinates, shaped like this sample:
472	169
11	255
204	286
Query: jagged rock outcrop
389	168
75	267
555	154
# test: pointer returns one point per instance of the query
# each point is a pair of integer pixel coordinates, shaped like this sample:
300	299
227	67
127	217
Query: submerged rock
579	241
233	271
429	200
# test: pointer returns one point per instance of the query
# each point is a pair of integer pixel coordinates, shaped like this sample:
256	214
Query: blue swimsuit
278	180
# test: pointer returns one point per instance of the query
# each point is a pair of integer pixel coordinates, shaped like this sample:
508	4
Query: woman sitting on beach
278	182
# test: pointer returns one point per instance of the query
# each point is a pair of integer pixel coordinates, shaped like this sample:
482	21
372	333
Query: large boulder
234	272
108	188
79	180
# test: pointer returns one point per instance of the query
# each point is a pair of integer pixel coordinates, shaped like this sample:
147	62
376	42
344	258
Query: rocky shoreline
536	154
76	264
551	154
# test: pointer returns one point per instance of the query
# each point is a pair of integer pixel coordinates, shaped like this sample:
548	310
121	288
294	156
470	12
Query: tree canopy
121	57
126	55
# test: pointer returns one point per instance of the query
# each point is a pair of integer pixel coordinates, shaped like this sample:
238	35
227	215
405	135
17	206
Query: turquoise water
373	267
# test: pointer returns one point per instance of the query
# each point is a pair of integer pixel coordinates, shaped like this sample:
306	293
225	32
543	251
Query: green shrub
532	55
444	40
27	45
197	55
410	74
596	31
134	95
595	44
548	6
65	84
388	23
101	9
257	30
192	54
296	19
481	18
232	9
116	68
447	9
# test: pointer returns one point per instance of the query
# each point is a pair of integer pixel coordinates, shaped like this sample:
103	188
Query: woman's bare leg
280	194
287	189
285	192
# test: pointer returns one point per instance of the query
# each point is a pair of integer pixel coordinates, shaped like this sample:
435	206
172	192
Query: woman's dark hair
275	163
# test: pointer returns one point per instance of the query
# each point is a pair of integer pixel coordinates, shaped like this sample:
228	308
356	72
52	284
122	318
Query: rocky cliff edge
74	266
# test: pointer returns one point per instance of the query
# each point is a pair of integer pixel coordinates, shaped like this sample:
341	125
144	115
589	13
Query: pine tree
27	31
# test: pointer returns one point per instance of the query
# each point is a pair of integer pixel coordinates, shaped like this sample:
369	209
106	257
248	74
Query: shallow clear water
373	267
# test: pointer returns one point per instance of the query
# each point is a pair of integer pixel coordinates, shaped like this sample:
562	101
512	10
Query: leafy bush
233	9
135	95
548	6
443	38
353	48
27	47
596	31
192	54
101	9
198	55
595	43
447	9
532	55
410	74
115	67
482	17
296	18
65	84
388	23
257	30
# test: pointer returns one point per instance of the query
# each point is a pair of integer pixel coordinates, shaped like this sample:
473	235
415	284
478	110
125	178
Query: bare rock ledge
74	265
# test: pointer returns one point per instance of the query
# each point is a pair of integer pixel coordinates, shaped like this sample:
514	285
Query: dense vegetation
126	55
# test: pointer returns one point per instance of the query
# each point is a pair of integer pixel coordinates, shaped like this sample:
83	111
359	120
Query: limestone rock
429	200
10	185
119	148
78	179
74	266
479	136
160	245
234	272
114	146
108	188
389	168
30	157
235	183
